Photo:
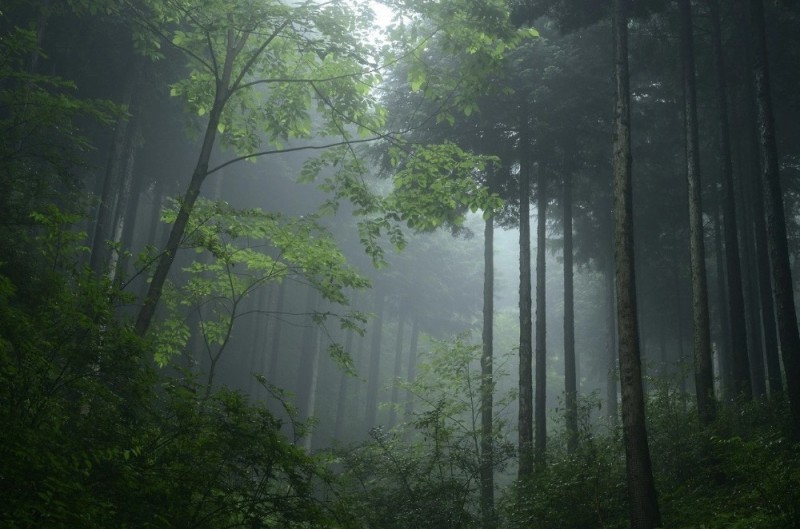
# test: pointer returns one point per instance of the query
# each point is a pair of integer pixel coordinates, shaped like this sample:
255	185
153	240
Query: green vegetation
197	204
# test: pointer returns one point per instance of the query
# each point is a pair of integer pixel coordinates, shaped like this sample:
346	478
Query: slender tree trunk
125	199
771	350
487	380
540	411
373	380
398	362
644	512
344	382
612	370
703	368
313	380
275	343
115	169
412	366
726	333
736	308
570	375
783	290
199	174
525	324
308	349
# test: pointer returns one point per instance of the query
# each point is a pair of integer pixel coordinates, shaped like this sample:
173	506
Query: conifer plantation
399	264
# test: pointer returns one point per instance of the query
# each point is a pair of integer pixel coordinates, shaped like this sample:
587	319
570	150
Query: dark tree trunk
570	375
121	141
775	217
373	379
736	309
765	295
611	347
540	411
525	323
644	512
703	368
724	351
487	380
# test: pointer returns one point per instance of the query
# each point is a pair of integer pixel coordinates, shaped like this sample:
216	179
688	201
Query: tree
641	488
776	218
704	376
525	420
736	315
255	68
540	411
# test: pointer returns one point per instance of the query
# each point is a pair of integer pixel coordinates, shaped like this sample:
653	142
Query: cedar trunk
487	380
703	370
644	512
570	375
540	411
775	217
525	326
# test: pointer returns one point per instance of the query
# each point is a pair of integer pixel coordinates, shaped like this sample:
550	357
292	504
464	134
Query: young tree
255	68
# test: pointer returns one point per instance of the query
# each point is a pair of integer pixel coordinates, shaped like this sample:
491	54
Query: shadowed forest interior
399	264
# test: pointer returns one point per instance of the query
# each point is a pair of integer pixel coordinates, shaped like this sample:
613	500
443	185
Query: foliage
93	437
249	249
41	142
426	475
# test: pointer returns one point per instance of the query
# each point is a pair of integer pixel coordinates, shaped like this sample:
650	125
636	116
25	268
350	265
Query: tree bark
373	379
775	216
525	324
570	375
540	411
412	366
736	308
398	362
703	368
112	180
612	370
644	512
487	380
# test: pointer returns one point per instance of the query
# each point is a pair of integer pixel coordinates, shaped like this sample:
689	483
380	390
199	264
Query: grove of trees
270	264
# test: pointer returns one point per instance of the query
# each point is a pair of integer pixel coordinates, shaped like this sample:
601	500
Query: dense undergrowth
93	435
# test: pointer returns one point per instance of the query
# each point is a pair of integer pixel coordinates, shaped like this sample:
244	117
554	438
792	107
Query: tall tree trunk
221	95
487	380
736	308
570	375
373	379
275	342
703	368
771	353
313	382
398	362
113	176
344	382
726	333
644	512
412	366
612	370
304	387
783	290
540	411
525	323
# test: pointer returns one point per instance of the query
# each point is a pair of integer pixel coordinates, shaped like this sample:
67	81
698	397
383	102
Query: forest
399	264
